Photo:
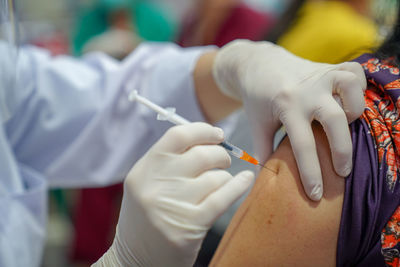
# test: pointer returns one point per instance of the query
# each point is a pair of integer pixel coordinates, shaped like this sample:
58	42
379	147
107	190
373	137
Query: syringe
169	114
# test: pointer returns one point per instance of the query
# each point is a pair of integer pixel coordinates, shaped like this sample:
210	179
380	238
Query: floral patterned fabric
370	225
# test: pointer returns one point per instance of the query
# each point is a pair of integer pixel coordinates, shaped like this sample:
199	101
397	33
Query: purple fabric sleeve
369	201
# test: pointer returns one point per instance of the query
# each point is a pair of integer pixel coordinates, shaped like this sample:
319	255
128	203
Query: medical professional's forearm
97	88
214	104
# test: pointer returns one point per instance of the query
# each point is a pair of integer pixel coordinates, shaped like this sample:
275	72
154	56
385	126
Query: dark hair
285	21
391	46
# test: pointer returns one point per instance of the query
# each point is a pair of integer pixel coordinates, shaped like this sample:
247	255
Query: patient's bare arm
278	225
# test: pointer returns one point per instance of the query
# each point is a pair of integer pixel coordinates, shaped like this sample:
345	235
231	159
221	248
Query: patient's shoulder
278	225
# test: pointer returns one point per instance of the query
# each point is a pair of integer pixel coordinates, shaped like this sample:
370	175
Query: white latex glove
278	87
171	198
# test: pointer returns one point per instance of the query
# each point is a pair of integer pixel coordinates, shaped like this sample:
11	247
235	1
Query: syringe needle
265	167
243	155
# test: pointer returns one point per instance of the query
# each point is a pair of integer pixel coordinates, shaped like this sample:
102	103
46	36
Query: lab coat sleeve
23	220
72	121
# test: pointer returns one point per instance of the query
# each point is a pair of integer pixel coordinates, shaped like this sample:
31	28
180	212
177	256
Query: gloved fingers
199	159
302	140
349	88
357	69
219	201
207	183
333	119
180	138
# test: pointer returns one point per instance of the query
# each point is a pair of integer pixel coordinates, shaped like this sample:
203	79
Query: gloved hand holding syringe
173	195
168	114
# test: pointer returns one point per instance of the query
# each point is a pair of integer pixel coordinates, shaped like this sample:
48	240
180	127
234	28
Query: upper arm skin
278	225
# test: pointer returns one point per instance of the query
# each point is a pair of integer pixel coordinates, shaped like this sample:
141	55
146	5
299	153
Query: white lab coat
70	124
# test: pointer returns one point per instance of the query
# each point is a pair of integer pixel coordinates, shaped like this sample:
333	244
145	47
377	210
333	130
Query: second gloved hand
171	198
277	87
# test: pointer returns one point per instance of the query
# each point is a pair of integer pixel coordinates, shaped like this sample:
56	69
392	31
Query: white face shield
8	54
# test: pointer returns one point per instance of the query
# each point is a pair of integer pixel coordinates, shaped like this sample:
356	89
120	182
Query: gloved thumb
220	200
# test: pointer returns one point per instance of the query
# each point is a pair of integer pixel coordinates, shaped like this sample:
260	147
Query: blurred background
82	222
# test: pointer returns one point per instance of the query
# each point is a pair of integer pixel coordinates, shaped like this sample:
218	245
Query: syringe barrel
176	119
170	115
232	149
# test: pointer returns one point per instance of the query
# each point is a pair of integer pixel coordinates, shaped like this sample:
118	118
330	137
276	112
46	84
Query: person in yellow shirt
326	31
